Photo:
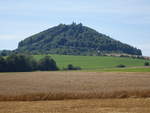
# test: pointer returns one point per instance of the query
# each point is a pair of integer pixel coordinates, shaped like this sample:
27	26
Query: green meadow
102	63
128	69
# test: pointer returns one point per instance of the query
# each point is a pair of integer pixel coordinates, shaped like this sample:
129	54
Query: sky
125	20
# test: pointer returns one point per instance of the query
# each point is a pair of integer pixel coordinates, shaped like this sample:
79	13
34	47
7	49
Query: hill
74	39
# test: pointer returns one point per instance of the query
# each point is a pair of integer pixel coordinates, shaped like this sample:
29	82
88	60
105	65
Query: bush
146	64
47	64
71	67
121	66
126	56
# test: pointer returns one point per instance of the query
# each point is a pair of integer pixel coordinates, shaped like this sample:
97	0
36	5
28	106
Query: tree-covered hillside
74	39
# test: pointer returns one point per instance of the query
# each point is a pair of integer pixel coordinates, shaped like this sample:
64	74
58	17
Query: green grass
138	69
96	62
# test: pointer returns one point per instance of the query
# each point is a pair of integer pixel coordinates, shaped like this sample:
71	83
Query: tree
5	52
2	64
24	63
47	64
20	63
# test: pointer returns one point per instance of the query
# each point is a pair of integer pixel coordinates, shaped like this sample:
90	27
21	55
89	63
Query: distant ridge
74	39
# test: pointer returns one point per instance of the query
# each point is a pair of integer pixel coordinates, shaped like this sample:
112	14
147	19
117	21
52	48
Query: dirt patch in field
73	85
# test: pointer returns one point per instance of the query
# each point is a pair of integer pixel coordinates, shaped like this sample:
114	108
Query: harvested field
33	86
79	106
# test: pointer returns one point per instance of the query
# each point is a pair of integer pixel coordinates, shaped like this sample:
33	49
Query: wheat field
129	105
34	86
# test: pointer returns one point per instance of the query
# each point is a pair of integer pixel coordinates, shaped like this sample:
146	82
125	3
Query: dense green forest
74	39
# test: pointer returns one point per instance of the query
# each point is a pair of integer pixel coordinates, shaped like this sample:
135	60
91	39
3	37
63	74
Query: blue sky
124	20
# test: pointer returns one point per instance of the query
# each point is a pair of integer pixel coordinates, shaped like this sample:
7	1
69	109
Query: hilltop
74	39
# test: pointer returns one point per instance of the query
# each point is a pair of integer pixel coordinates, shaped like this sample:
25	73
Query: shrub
126	56
47	63
146	64
71	67
120	66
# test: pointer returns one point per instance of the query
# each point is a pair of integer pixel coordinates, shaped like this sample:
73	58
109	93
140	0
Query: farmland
73	85
75	92
99	87
78	106
94	62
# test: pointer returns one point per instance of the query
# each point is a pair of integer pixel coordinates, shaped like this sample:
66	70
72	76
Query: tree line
25	63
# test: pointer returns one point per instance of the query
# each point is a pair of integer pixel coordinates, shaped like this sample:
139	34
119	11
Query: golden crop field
129	105
75	92
33	86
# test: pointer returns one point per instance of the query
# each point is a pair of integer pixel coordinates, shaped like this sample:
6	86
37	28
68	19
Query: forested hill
74	39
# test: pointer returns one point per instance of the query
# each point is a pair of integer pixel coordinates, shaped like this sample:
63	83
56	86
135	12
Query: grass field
128	69
78	106
73	85
94	62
